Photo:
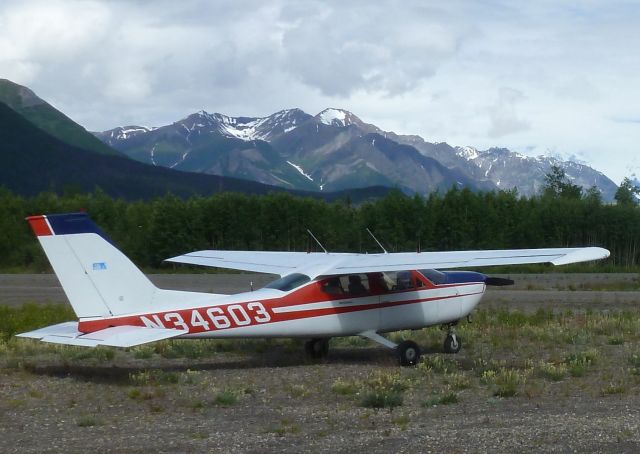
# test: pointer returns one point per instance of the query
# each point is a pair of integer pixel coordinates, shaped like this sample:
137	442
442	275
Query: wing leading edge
317	264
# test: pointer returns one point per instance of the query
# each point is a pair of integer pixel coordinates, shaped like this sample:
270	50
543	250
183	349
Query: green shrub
581	361
383	390
344	387
86	421
504	382
553	372
226	397
30	316
381	399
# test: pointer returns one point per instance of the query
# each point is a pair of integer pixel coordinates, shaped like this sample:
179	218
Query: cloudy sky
536	77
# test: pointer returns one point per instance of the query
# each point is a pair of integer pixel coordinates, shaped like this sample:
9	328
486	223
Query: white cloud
503	115
526	75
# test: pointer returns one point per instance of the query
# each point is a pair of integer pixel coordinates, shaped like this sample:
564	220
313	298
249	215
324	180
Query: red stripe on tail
39	225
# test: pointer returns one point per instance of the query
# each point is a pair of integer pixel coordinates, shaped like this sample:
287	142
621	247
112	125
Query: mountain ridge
335	149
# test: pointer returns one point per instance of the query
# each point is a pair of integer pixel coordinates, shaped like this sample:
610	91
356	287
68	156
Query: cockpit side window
392	281
352	285
332	286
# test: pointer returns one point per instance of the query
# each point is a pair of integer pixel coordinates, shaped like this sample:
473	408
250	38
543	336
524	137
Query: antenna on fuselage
317	241
379	244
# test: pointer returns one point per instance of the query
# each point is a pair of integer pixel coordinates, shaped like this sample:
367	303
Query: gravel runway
60	401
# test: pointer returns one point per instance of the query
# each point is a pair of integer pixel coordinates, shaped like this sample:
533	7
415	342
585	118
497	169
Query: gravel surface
53	403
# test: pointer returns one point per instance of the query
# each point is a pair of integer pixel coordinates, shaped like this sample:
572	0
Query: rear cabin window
348	285
289	282
392	281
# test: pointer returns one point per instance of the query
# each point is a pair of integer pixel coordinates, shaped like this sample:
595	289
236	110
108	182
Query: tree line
149	232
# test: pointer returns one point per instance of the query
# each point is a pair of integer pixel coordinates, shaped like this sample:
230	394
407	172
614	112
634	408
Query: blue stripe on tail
73	223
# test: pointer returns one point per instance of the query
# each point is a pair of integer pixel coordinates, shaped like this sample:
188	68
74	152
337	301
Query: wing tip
586	254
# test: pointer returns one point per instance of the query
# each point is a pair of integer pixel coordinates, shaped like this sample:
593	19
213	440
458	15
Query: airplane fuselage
326	307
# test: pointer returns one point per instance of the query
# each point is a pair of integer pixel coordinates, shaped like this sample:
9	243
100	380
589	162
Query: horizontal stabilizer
116	336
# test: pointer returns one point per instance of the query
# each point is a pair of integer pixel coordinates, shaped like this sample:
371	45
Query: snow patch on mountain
468	153
246	128
126	132
301	170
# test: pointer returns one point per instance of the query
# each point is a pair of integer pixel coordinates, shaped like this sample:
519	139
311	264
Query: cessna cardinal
319	295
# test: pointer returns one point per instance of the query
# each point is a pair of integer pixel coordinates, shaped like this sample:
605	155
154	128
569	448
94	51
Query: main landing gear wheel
452	343
408	353
317	348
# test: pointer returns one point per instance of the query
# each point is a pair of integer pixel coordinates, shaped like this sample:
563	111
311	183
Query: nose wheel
452	343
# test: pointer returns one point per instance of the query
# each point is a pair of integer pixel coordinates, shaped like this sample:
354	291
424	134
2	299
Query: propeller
498	281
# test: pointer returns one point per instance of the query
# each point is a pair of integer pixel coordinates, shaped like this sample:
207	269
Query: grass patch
382	399
383	390
614	388
580	362
615	340
437	363
344	387
505	382
98	354
87	421
226	397
402	421
458	380
154	377
285	427
30	316
143	351
298	390
448	398
553	372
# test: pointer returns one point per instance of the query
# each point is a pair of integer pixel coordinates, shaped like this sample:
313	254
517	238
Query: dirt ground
265	396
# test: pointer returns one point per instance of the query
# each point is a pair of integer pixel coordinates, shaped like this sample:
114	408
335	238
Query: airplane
319	295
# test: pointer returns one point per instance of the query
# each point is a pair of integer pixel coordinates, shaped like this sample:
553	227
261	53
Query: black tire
317	348
408	353
452	344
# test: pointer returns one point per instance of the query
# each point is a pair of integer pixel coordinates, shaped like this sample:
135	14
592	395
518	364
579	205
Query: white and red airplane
319	295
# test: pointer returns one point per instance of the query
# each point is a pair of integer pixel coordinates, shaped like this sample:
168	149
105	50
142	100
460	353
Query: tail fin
98	279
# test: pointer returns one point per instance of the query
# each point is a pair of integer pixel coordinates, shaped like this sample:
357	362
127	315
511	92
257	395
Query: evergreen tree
557	184
627	193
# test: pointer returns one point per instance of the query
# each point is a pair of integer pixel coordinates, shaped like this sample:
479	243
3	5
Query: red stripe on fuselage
39	225
168	318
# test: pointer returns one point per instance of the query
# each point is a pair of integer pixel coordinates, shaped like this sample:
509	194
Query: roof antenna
379	244
317	241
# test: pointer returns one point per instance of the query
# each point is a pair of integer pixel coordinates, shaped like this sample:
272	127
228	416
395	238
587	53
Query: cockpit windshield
289	282
435	276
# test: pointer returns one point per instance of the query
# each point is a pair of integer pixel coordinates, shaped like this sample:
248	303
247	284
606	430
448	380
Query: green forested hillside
49	119
34	161
151	231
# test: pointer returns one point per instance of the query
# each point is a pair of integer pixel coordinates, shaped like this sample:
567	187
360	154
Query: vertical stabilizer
98	279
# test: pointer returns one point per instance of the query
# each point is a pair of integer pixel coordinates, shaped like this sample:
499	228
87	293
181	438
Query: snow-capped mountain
335	150
509	169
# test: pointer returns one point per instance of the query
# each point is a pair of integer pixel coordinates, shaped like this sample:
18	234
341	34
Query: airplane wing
116	336
317	263
281	263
